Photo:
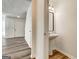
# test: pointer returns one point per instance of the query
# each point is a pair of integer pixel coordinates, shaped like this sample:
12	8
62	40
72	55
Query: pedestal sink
52	35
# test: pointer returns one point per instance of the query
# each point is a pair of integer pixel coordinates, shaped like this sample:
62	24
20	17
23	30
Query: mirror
51	16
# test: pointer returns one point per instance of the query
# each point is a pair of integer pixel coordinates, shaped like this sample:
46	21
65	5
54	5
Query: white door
14	27
19	28
9	28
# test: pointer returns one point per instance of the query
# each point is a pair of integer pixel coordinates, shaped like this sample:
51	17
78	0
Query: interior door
19	28
9	28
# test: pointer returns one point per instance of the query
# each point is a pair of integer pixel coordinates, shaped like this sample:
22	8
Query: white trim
67	54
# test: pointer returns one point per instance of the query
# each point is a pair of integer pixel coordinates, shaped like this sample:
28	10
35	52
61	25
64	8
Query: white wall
14	27
65	26
28	26
3	26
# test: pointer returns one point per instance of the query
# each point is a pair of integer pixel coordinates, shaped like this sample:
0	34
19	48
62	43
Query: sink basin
52	35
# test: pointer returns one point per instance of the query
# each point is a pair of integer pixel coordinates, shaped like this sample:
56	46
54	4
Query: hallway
16	48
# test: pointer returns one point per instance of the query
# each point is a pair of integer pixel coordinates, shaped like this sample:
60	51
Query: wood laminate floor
16	48
58	55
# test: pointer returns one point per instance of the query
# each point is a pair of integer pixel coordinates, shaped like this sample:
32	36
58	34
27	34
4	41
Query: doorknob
44	33
30	31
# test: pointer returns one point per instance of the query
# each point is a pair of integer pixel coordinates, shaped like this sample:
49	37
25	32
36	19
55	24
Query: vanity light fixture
51	9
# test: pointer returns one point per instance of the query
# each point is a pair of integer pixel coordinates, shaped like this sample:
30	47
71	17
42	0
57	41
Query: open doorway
16	37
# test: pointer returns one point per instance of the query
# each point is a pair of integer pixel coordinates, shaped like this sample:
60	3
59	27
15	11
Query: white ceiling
15	8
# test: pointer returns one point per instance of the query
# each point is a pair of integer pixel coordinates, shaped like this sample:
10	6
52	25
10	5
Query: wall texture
65	26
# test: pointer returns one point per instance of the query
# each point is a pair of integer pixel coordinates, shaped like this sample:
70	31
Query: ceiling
15	8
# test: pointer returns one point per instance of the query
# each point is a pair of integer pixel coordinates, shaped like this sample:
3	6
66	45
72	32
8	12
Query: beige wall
65	23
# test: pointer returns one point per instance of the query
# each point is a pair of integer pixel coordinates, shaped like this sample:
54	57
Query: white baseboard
70	56
14	37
